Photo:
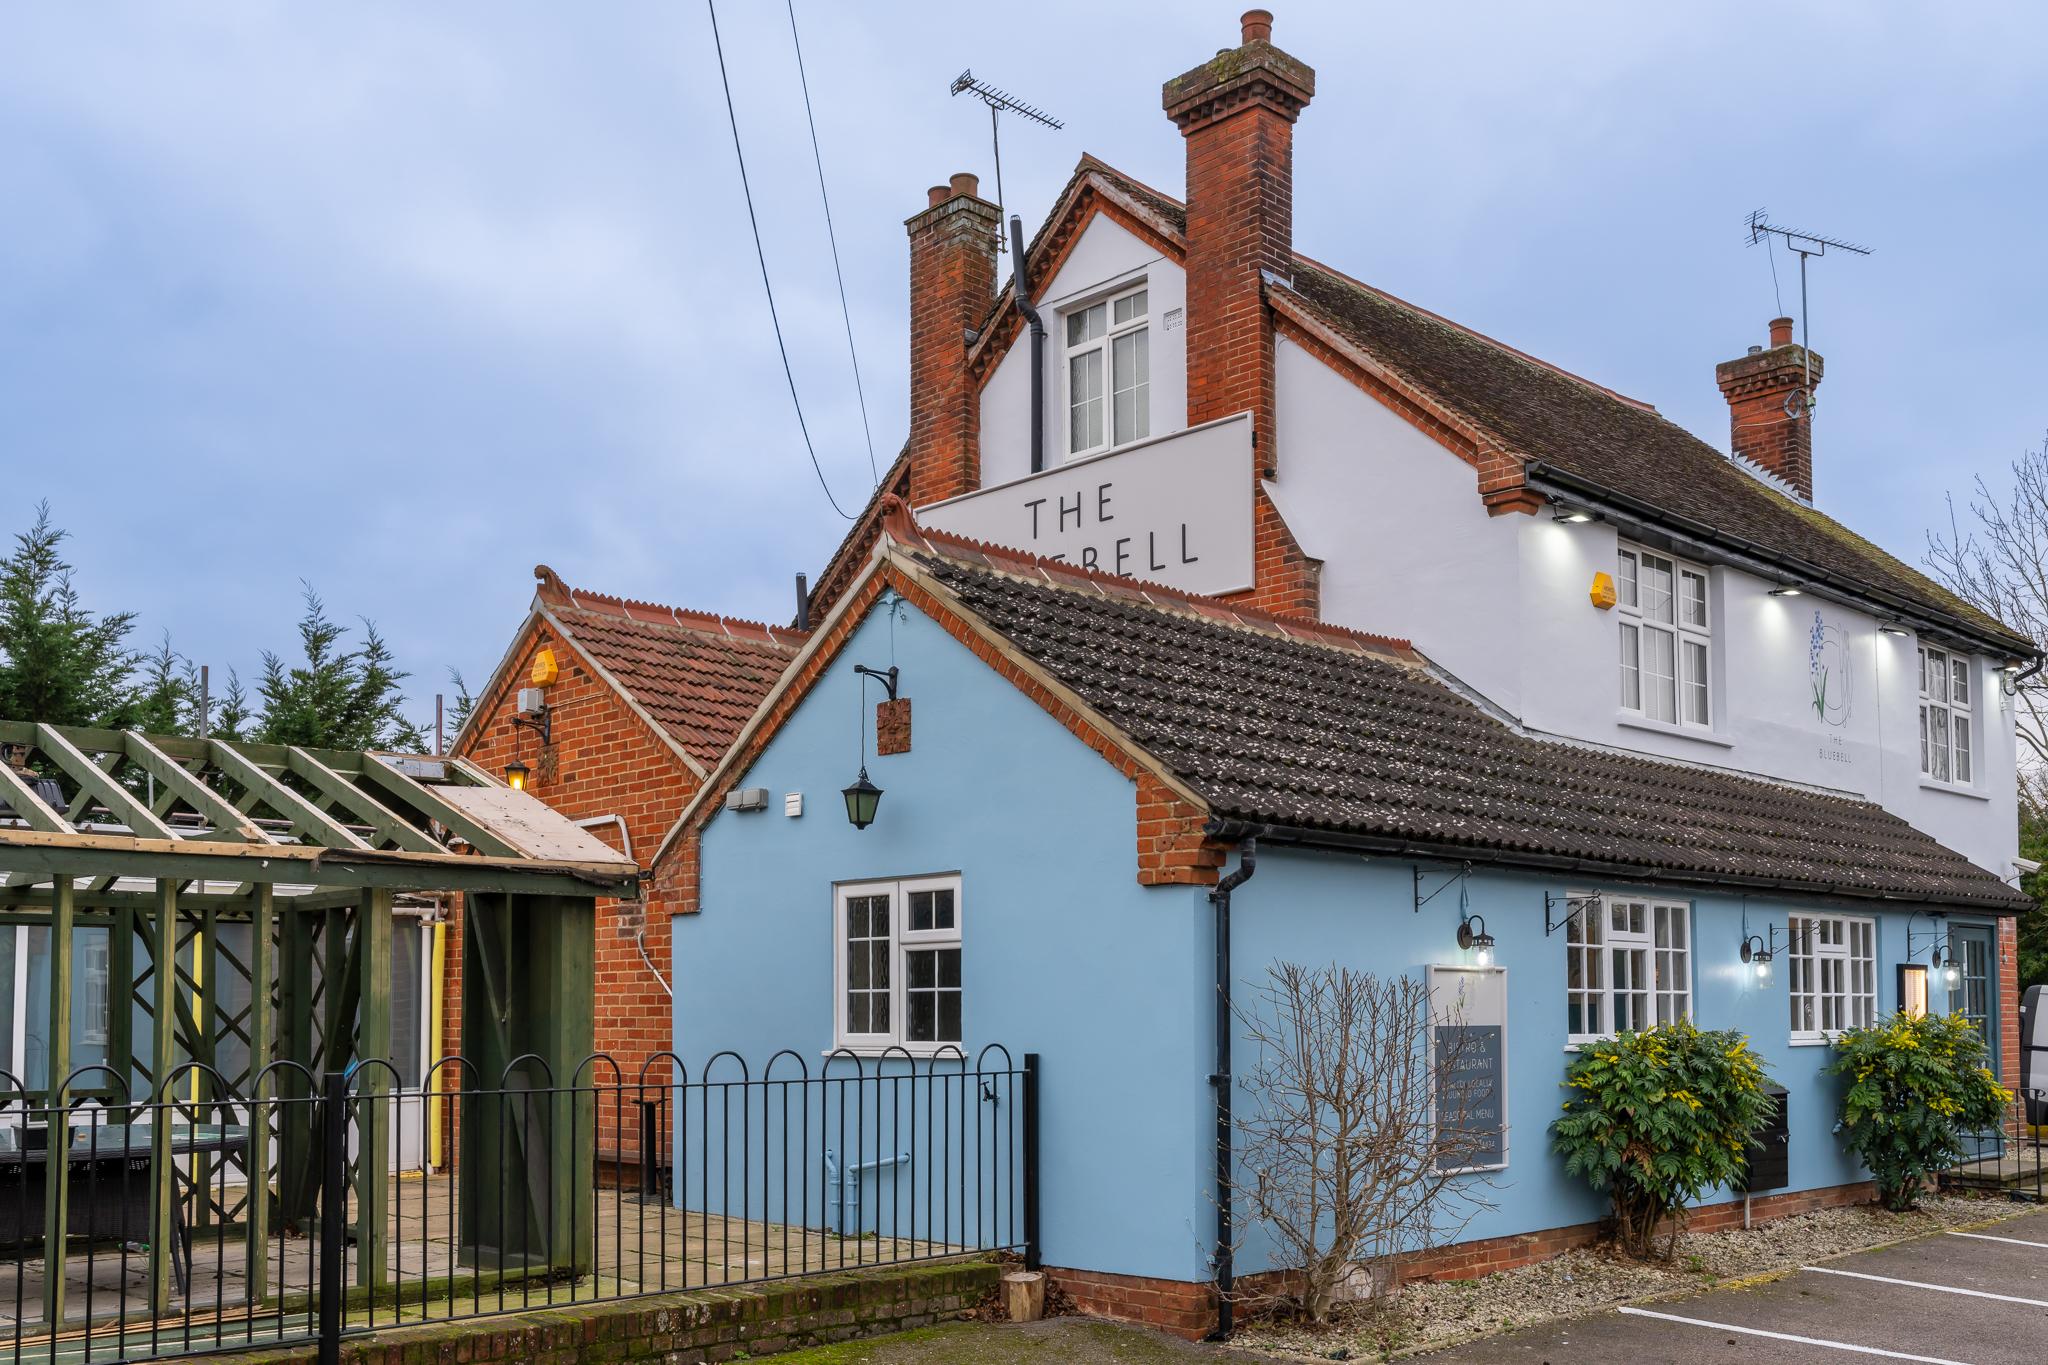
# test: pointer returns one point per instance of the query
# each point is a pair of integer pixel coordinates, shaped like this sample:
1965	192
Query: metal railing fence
323	1206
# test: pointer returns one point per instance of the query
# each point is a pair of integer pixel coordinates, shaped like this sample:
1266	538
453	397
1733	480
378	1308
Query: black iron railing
322	1206
2012	1159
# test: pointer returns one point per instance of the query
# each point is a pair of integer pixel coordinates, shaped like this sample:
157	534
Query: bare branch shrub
2000	566
1341	1158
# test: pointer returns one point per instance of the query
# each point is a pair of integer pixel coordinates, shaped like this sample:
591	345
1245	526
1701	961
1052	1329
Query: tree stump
1024	1295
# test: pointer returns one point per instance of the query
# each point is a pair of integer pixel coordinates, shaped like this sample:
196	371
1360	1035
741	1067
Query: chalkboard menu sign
1468	1043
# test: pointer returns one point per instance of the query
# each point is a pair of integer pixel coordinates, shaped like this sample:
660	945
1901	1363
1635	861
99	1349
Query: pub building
1222	610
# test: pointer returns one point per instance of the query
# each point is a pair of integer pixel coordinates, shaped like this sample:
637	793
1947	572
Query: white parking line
2009	1241
1922	1284
1787	1336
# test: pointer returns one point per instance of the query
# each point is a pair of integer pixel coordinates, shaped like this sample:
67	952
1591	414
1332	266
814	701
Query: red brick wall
952	287
604	761
2009	1000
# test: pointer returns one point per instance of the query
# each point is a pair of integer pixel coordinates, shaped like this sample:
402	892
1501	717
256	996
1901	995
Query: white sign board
1468	1009
1177	510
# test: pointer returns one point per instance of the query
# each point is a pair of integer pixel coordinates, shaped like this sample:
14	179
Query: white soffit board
1175	510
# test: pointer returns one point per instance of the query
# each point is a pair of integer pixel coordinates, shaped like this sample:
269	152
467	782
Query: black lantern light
516	773
1472	935
861	800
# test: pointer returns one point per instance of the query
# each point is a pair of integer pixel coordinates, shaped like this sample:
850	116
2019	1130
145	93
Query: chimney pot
966	183
1258	25
937	195
1781	331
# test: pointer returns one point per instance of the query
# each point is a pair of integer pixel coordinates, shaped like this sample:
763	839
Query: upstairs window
897	964
1667	639
1109	373
1946	715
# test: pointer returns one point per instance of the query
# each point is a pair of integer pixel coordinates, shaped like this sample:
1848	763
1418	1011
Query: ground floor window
1628	965
897	963
1832	971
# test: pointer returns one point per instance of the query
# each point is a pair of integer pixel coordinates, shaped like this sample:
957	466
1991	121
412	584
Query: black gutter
1797	571
1219	1080
1340	841
1020	289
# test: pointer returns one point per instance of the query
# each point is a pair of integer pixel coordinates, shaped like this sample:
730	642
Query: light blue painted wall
1063	953
1066	955
1318	908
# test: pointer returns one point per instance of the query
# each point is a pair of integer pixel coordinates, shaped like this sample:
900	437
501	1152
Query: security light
1786	590
1892	628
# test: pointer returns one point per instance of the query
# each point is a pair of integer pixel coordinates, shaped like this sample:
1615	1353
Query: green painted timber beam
57	1170
311	821
23	801
360	805
94	778
175	780
422	797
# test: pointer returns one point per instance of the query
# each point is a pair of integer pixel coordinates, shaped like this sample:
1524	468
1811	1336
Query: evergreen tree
167	702
59	663
2033	925
232	719
335	697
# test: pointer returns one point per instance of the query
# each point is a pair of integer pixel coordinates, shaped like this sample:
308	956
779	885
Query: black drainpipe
1022	289
1247	863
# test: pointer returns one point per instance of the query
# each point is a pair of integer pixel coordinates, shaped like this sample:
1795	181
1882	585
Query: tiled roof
1593	436
698	676
1329	731
847	561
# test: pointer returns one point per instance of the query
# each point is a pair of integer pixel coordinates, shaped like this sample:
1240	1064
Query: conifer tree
59	662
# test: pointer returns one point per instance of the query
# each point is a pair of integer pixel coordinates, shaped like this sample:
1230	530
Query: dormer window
1109	373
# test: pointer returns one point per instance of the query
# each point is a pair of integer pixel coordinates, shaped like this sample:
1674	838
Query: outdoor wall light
1577	516
516	774
1756	953
1893	628
1786	590
1951	974
1473	938
861	800
1938	960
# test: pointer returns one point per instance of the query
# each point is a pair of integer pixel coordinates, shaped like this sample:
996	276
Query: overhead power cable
818	157
760	254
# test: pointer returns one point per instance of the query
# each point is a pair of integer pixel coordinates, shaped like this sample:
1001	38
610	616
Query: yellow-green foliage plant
1659	1118
1915	1087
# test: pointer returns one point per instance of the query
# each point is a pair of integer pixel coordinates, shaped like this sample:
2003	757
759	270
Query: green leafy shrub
1659	1118
1915	1087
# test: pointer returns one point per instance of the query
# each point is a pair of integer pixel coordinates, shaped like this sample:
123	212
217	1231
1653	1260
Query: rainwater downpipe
640	936
1022	289
1247	863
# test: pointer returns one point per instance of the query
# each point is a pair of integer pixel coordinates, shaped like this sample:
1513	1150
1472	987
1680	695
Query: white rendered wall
1107	257
1503	603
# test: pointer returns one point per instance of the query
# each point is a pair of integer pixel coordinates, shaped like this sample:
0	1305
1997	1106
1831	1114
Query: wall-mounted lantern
1473	938
1756	955
861	800
516	773
1941	956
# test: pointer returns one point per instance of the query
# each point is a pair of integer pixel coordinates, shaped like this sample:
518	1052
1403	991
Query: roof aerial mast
1806	244
1000	102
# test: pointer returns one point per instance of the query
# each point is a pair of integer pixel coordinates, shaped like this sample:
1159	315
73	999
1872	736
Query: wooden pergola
177	846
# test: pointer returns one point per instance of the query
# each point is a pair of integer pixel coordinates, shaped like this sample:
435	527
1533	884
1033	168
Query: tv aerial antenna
1806	245
1001	102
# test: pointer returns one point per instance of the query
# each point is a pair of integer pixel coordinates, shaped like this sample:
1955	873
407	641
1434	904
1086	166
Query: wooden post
162	1057
373	1089
297	1180
121	1007
57	1161
257	1160
205	1050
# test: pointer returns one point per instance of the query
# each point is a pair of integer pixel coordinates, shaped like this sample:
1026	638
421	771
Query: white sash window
1667	638
896	967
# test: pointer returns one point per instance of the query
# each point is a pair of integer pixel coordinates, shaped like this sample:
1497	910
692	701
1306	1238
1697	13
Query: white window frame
902	942
1831	976
1948	716
1105	344
1656	949
1693	704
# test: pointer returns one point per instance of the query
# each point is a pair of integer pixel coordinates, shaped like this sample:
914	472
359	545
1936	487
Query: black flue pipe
1021	288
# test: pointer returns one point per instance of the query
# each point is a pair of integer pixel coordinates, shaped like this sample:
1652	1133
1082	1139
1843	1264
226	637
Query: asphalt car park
1975	1298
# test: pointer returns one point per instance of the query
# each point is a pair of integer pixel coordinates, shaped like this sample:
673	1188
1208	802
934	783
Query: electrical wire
760	254
818	157
1771	255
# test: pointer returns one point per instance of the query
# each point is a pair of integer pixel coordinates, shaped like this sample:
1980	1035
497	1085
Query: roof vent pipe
803	603
1021	288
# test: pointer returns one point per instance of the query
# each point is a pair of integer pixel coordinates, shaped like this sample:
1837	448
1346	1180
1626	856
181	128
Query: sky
401	299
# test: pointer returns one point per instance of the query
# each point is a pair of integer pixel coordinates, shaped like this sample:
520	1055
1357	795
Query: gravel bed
1584	1281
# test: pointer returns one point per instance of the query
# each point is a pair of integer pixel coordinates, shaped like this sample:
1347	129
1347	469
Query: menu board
1468	1047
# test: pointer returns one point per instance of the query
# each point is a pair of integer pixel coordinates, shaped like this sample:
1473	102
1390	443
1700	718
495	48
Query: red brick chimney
1237	114
1769	414
952	287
